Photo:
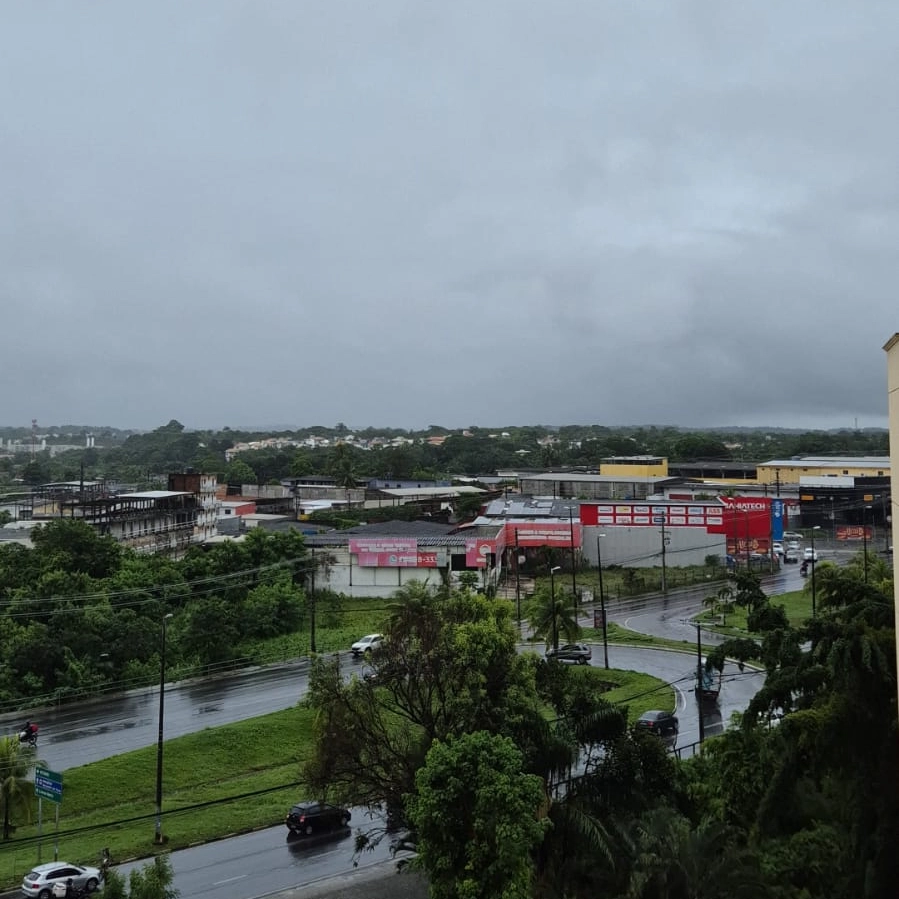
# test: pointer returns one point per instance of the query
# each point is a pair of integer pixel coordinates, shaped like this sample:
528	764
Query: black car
571	652
663	724
316	817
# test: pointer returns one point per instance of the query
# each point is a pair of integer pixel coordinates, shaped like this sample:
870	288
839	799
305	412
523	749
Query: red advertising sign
853	532
533	533
477	551
630	514
427	559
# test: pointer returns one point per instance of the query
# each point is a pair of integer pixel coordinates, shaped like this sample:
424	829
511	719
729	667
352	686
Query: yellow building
789	471
634	466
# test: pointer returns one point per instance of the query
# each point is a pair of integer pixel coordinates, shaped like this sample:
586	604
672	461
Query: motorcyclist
29	732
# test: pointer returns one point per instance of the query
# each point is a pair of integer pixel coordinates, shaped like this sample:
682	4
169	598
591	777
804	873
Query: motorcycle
28	736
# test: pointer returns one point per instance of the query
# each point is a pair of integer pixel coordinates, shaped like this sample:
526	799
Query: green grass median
111	803
217	782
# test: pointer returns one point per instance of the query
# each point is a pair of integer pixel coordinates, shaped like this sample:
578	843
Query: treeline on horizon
145	458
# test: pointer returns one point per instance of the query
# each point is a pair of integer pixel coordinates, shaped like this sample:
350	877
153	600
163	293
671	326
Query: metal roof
830	462
575	476
428	491
152	494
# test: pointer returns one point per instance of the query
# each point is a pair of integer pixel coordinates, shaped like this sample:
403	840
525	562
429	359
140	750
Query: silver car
571	652
39	881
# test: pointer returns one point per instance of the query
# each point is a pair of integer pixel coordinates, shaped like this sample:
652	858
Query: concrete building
580	485
376	560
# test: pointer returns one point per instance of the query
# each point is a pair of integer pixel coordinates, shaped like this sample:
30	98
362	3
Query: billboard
548	533
632	514
854	532
385	552
777	519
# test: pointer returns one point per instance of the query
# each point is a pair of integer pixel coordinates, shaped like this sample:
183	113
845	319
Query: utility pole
312	606
664	569
573	564
814	564
865	539
517	579
699	682
602	603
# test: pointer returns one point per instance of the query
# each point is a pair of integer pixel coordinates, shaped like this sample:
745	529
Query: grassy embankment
111	803
798	606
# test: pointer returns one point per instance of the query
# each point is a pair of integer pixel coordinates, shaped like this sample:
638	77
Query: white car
778	549
810	555
366	644
39	881
794	545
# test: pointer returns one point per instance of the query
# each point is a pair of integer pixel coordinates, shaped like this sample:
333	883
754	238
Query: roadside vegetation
218	782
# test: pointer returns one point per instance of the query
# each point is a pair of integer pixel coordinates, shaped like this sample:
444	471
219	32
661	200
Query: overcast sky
406	213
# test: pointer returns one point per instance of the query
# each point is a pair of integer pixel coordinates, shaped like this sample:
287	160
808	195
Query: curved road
669	616
265	861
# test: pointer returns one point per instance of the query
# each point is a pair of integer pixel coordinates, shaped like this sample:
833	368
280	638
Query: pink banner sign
385	552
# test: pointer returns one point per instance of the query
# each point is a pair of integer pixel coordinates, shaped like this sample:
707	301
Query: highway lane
265	861
77	734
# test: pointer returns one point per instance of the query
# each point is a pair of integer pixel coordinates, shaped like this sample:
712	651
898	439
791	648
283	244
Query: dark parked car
663	724
571	652
316	817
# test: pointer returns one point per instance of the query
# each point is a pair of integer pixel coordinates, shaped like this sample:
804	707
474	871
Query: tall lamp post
817	527
602	603
552	594
573	559
865	539
165	619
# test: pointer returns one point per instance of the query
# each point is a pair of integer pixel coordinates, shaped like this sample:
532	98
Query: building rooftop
551	476
400	492
829	462
152	494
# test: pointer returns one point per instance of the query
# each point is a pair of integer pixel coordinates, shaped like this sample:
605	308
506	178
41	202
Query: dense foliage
798	800
79	613
143	459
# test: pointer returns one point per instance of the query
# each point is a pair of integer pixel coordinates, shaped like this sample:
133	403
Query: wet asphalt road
265	861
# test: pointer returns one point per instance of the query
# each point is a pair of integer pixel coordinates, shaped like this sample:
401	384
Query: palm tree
553	616
676	861
15	790
342	466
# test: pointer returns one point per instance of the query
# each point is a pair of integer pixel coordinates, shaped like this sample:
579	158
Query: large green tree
477	819
448	666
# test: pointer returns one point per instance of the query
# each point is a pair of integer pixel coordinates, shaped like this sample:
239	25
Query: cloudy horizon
394	215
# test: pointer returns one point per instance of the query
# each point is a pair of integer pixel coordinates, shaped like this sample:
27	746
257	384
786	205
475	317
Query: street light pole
159	739
814	566
517	579
602	603
699	682
552	593
865	539
573	565
664	568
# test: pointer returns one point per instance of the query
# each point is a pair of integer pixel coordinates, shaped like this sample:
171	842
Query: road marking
218	883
